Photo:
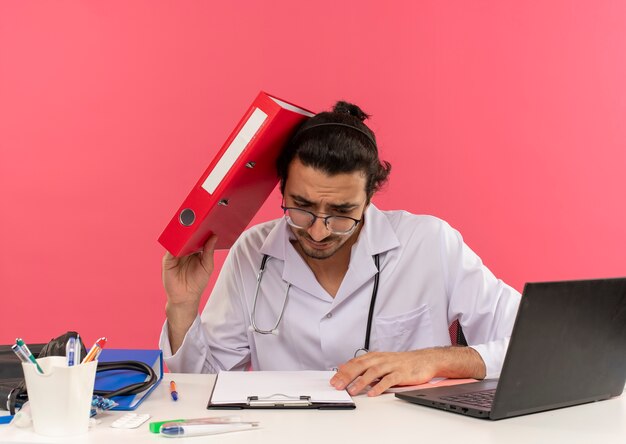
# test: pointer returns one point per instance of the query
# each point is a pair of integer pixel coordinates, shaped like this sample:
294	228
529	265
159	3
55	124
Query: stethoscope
274	330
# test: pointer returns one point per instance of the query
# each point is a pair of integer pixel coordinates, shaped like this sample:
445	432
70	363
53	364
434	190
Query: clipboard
277	390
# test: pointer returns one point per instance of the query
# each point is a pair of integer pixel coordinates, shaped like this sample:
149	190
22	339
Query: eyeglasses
304	219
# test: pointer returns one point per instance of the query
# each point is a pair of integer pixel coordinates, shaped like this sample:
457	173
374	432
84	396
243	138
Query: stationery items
24	351
173	392
20	354
95	350
72	350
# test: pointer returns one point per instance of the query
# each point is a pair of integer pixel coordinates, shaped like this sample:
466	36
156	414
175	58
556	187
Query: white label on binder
230	156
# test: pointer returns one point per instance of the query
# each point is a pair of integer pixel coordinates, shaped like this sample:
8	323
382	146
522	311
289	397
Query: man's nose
318	230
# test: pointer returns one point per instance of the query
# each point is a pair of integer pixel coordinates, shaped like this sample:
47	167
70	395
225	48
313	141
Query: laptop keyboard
482	399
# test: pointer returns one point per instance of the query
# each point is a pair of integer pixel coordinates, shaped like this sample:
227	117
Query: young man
343	284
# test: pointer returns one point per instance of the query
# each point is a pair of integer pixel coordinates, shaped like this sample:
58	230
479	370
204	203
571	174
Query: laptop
568	347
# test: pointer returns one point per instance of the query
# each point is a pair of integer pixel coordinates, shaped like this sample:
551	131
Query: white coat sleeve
217	340
484	305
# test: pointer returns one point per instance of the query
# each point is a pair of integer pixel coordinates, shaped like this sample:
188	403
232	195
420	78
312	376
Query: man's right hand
185	279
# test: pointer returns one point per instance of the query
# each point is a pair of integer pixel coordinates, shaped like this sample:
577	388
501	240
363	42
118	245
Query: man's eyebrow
338	206
301	199
344	206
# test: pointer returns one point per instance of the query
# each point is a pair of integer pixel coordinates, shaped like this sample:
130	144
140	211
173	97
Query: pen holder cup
60	398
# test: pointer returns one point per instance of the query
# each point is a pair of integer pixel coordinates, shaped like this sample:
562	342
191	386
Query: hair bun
342	107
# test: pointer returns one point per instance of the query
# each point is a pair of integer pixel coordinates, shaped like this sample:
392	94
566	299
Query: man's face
339	195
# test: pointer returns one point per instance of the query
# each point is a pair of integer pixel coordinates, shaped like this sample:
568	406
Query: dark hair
336	142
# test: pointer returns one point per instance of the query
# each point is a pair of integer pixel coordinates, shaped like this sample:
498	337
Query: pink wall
506	118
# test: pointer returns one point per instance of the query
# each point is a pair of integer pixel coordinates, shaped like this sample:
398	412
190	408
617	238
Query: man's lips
318	245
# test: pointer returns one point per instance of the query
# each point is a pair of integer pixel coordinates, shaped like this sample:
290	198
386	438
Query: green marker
20	343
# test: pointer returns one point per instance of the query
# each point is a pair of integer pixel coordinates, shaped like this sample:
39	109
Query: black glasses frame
324	218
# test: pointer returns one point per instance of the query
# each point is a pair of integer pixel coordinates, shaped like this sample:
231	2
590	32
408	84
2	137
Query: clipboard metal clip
279	400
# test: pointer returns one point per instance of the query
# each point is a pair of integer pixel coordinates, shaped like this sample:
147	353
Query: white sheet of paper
236	387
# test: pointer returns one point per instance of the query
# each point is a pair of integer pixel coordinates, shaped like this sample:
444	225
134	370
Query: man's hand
382	370
185	279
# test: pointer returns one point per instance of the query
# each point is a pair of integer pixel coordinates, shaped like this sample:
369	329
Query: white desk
375	420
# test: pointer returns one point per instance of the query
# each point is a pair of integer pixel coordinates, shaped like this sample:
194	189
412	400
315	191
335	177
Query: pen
77	349
95	350
70	351
20	354
173	391
182	429
24	348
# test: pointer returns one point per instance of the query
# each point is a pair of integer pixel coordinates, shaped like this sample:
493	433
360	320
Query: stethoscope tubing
274	330
370	315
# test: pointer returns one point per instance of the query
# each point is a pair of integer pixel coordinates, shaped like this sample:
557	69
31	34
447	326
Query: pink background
506	118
